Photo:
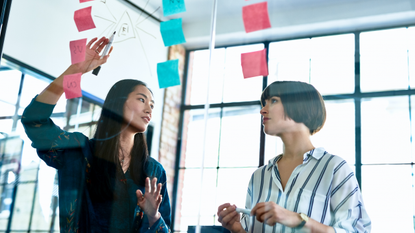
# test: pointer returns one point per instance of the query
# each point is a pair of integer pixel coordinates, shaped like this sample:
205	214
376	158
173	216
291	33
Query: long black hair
105	167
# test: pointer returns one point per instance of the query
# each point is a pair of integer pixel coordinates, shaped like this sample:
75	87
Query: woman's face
273	117
138	108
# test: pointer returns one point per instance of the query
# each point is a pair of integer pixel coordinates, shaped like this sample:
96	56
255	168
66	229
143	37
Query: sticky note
171	7
83	19
81	1
172	32
255	17
77	48
254	64
72	85
168	73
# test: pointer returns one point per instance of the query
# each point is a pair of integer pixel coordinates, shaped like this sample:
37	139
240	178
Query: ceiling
289	18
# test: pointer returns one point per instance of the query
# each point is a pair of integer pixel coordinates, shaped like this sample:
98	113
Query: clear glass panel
191	195
411	56
384	60
332	64
9	88
338	133
6	126
23	206
7	109
325	62
232	186
289	60
31	87
386	130
198	74
388	197
240	134
194	140
236	88
47	191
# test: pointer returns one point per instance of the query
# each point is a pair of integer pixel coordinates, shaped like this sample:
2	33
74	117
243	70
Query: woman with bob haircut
305	189
107	183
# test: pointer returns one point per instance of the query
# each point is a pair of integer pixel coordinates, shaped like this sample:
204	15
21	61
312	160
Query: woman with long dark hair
107	183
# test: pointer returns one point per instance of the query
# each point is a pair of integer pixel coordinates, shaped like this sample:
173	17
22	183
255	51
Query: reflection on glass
338	133
236	88
386	130
389	197
198	74
23	206
240	134
325	62
384	60
192	155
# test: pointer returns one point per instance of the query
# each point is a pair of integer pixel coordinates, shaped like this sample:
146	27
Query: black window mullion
357	101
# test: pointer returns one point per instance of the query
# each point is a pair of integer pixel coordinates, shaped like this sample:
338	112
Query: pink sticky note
256	17
77	48
81	1
83	19
254	64
72	85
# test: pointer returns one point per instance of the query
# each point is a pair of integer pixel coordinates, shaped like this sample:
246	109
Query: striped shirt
323	187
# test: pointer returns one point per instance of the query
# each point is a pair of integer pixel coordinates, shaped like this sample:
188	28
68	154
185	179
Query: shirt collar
316	153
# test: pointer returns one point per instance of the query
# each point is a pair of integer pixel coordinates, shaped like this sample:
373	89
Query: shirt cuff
159	226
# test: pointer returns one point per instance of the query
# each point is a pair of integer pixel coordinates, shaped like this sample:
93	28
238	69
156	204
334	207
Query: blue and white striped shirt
323	187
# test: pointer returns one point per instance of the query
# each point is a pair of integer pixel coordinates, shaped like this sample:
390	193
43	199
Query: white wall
39	33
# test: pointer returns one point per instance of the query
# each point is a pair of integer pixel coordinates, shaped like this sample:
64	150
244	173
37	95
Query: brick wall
170	122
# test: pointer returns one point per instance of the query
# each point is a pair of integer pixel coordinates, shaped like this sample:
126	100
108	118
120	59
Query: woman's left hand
150	201
271	213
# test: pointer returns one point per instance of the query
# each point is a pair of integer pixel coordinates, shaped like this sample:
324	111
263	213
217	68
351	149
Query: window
366	79
28	186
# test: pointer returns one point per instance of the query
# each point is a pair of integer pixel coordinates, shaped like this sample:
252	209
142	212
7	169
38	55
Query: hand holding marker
243	211
107	48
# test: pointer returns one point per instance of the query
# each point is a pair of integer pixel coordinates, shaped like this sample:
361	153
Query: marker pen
107	48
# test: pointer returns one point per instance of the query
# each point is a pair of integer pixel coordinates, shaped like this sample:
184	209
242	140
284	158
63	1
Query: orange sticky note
254	63
83	19
77	48
72	85
255	17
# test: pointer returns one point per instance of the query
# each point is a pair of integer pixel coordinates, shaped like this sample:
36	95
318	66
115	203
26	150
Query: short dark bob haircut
301	102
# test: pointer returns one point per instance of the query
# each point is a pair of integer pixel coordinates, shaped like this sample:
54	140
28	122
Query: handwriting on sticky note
77	48
172	32
72	85
171	7
168	73
255	17
83	19
254	63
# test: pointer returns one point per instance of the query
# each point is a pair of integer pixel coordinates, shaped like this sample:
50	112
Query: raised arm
52	93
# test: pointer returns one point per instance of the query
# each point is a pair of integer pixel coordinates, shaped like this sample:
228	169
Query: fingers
153	185
221	207
147	186
90	42
100	44
140	196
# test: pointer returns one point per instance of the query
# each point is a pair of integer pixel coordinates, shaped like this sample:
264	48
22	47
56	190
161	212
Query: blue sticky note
171	7
172	32
168	73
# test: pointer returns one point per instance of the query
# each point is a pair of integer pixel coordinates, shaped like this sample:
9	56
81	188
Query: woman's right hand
92	55
229	218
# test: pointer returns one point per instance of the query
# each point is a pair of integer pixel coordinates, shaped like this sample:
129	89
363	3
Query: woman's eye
141	99
152	106
274	101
